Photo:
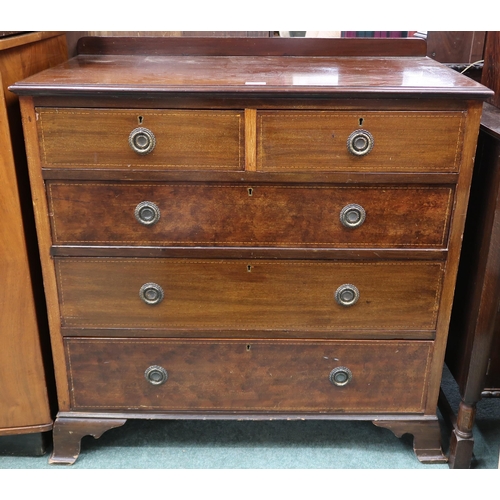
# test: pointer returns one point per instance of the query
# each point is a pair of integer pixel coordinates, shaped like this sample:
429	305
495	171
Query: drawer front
99	138
248	295
241	215
317	141
239	375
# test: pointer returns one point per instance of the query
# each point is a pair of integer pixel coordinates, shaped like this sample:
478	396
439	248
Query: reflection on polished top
252	74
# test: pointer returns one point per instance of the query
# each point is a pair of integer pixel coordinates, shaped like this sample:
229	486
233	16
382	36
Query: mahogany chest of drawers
228	231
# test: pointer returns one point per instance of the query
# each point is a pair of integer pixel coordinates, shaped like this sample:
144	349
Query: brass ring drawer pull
340	376
142	140
151	293
352	215
156	375
360	142
147	213
346	295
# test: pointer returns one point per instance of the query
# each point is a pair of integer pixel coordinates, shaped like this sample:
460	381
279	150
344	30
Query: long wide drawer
248	294
382	141
101	138
254	376
239	215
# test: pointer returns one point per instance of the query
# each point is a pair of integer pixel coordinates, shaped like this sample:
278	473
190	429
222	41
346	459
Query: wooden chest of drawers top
328	68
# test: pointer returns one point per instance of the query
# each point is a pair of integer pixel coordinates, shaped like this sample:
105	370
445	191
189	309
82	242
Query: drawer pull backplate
156	375
352	215
142	140
151	293
360	142
346	295
340	376
147	213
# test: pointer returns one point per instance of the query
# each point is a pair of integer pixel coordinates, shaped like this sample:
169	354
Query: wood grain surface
248	294
260	215
184	139
414	141
218	375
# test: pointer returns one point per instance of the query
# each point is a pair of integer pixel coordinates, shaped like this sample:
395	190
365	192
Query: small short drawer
144	139
398	141
217	215
248	376
259	295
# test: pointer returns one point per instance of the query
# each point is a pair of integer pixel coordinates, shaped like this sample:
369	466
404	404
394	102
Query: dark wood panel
252	334
491	69
251	177
74	36
248	295
456	46
251	46
236	100
389	377
249	215
249	252
490	121
492	375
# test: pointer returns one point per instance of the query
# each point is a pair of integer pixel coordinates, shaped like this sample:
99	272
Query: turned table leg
68	432
461	439
426	437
